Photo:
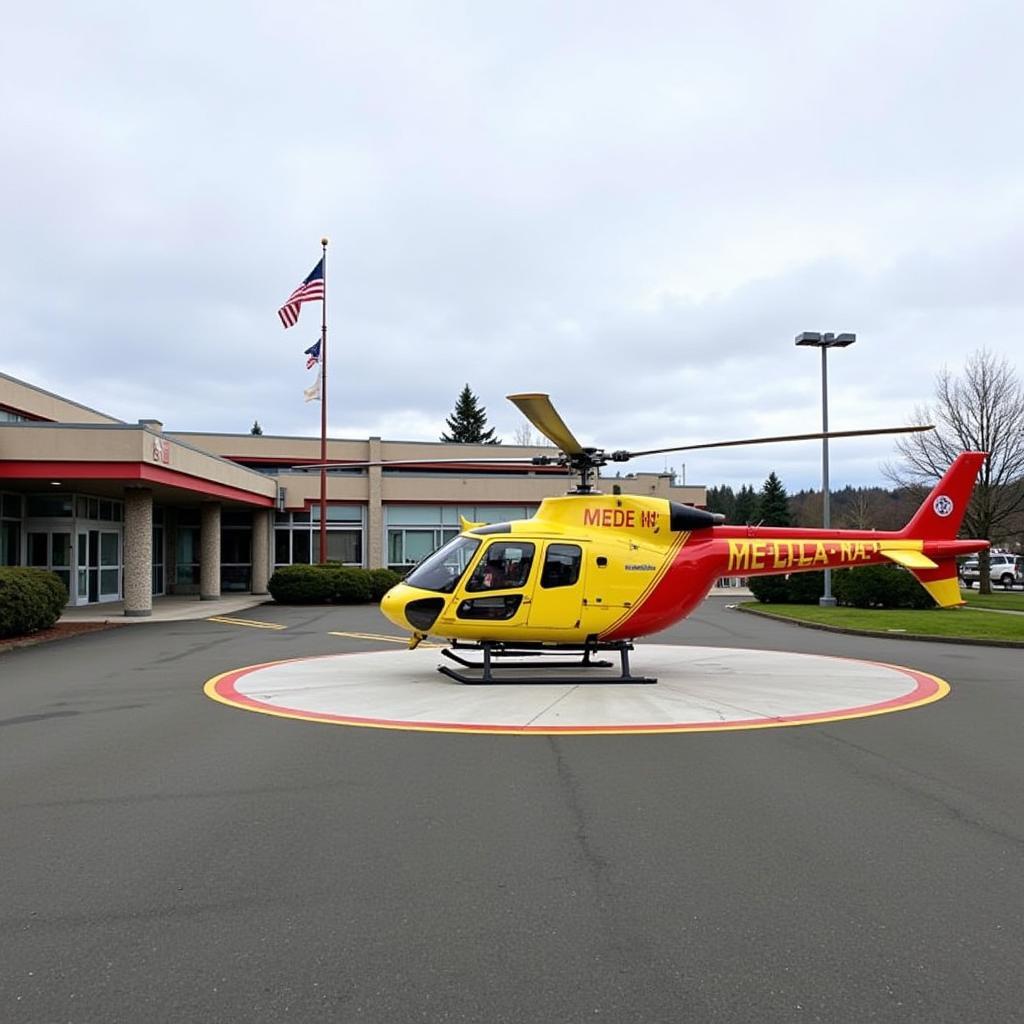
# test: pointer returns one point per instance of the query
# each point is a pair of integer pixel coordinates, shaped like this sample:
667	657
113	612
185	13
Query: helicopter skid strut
495	673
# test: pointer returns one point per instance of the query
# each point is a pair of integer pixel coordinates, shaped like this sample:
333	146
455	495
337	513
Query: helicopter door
496	591
558	596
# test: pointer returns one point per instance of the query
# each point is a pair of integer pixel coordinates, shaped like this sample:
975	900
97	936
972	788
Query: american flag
309	291
313	352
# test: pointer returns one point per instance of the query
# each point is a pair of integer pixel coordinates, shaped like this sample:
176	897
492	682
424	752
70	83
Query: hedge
880	586
870	586
330	584
798	588
30	600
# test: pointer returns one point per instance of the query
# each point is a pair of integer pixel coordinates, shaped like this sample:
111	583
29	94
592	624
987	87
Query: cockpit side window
561	565
505	565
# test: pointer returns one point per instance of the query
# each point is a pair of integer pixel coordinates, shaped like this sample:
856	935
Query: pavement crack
914	781
596	864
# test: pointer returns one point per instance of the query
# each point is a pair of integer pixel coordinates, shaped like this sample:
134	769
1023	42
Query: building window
414	531
297	535
10	543
187	548
49	506
10	506
93	508
236	552
10	529
345	546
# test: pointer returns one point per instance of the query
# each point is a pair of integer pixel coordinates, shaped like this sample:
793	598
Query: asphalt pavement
167	858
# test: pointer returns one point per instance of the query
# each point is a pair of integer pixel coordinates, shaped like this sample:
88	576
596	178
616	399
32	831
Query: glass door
110	565
51	549
87	570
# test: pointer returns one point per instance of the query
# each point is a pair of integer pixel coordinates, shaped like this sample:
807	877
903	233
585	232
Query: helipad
699	689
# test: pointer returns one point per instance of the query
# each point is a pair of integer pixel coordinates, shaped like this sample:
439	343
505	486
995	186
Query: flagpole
323	415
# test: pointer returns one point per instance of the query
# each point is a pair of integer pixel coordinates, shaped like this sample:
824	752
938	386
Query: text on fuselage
621	518
779	555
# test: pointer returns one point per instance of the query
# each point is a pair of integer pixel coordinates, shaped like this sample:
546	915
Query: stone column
261	550
375	509
209	548
138	551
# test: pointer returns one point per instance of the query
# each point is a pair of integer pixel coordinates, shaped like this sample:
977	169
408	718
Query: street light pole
825	342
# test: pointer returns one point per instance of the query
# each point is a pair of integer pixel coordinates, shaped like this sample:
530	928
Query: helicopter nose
409	608
392	605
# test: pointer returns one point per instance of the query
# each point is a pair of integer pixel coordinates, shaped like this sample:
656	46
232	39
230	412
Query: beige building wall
27	400
224	469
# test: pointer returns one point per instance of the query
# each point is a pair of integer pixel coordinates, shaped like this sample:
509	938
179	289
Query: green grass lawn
1009	600
948	622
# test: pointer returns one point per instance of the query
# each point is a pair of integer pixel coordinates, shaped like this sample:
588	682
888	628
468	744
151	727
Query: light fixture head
808	338
827	340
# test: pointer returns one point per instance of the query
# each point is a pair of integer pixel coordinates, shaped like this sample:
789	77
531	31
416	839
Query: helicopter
592	573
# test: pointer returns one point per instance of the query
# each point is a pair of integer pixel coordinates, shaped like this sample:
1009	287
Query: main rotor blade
510	460
541	413
773	440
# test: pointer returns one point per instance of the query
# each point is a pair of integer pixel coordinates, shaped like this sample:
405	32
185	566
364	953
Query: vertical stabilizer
938	519
942	512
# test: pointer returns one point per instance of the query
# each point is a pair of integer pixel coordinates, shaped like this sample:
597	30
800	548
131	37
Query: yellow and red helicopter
592	572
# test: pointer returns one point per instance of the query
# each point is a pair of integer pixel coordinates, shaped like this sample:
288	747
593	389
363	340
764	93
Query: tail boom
926	546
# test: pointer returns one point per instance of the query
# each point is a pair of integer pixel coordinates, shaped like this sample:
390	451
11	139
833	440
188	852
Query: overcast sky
634	207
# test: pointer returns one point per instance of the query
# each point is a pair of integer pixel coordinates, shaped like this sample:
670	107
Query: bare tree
859	512
980	410
525	436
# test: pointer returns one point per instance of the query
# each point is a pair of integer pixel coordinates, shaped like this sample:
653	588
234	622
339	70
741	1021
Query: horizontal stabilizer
941	582
909	559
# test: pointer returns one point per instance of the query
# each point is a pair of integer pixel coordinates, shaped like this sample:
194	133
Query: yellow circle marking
930	688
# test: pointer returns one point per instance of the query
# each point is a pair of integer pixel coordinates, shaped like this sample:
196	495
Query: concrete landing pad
699	689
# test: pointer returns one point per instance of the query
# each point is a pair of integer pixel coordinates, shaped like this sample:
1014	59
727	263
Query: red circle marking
927	688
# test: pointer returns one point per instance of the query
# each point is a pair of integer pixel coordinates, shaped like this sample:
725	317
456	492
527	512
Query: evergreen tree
773	503
467	421
256	428
745	509
722	499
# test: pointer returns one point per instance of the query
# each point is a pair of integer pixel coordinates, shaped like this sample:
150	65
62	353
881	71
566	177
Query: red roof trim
128	472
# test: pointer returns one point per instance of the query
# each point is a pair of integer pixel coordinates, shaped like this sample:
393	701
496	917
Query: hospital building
126	512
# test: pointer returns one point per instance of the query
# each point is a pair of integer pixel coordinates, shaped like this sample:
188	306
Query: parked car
1005	570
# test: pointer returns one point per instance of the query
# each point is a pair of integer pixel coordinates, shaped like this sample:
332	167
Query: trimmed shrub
869	586
796	588
329	583
880	586
30	600
350	586
770	589
301	584
381	581
806	587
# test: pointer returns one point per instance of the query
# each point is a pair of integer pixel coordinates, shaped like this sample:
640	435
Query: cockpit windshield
442	570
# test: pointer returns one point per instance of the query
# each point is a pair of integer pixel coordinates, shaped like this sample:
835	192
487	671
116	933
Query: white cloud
633	209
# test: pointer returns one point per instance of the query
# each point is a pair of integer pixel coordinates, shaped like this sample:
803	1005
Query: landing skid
492	672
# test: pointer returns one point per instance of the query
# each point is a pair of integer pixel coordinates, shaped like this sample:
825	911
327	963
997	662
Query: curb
966	640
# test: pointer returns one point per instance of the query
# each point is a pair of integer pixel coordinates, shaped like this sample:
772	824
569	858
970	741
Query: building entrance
98	566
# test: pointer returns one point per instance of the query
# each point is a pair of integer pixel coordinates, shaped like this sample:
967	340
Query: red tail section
942	512
937	523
